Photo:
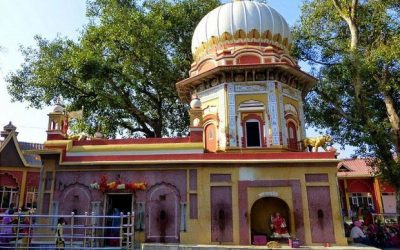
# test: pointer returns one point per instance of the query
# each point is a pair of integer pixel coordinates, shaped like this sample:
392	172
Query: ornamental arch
262	211
163	214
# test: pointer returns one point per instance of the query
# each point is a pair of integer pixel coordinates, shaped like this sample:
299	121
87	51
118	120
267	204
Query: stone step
155	246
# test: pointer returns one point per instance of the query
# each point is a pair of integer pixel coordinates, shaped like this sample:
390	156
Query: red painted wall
360	186
248	59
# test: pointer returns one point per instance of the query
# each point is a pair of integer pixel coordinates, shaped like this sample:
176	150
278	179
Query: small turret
58	123
196	120
8	129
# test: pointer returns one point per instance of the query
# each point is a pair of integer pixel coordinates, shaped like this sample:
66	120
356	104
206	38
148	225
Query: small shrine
243	174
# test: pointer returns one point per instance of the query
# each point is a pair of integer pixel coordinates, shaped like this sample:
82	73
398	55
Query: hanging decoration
105	186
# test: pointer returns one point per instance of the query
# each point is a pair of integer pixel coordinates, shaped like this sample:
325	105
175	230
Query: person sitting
357	234
279	227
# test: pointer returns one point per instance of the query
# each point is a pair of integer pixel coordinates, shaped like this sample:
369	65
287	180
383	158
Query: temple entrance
119	203
264	214
116	204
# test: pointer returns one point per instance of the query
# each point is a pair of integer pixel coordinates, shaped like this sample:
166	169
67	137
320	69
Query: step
157	246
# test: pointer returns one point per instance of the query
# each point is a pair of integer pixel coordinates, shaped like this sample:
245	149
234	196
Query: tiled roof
353	168
31	159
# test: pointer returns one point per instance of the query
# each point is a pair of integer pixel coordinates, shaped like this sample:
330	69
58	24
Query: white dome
247	16
58	108
195	103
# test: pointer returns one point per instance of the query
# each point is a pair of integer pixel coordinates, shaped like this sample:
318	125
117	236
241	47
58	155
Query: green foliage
123	68
359	77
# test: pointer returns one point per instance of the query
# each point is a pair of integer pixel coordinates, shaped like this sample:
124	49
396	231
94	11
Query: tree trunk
393	118
351	20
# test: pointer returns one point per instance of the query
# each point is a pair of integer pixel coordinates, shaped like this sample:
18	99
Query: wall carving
273	111
250	88
282	113
232	116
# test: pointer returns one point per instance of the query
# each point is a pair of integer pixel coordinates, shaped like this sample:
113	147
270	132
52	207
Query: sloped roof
11	143
354	168
33	160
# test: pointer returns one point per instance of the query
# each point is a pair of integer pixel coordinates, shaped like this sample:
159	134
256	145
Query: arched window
292	135
9	191
253	133
252	114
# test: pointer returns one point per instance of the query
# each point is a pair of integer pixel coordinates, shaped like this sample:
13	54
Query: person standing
60	242
115	227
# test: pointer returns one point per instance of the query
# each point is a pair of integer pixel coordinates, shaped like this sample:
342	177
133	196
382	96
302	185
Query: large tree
122	69
354	48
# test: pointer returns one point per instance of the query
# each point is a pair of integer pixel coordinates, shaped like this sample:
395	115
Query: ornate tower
249	86
58	123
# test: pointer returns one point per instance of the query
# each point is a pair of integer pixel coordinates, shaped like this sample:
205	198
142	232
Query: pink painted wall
166	191
162	214
221	214
320	212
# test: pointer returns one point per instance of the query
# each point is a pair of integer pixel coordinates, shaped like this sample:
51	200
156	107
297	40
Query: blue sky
21	20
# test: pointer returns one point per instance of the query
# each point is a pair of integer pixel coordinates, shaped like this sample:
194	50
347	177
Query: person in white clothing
357	234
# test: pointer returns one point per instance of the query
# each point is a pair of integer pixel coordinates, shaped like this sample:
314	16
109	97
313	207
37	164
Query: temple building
239	175
19	172
360	188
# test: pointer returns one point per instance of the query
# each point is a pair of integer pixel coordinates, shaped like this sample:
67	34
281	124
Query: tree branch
339	8
335	105
130	127
353	11
72	86
305	58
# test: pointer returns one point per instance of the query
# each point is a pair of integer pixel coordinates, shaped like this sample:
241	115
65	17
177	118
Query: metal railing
88	231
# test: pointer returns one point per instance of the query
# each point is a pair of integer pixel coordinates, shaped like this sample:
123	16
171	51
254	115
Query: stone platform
151	246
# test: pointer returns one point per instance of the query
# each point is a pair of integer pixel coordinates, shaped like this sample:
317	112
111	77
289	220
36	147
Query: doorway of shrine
115	205
270	218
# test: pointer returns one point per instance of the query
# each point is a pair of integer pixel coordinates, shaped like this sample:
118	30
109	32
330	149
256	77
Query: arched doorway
253	134
162	214
263	210
211	138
